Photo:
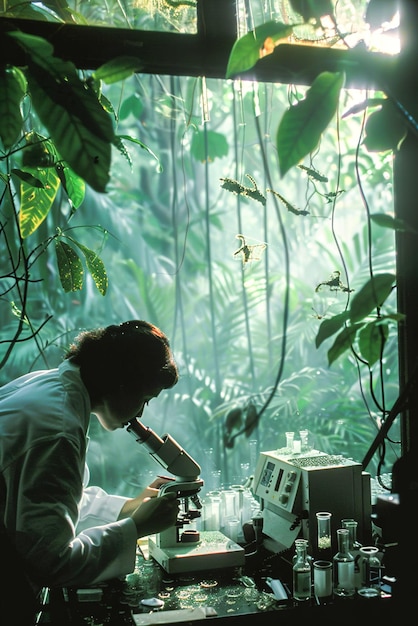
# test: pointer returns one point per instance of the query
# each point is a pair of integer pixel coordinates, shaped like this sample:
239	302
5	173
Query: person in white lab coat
54	530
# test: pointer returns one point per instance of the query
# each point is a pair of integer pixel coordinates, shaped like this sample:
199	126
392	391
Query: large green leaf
117	69
208	146
371	296
330	326
132	105
246	51
302	125
343	342
73	184
36	201
39	152
70	267
372	338
395	223
385	129
79	126
119	144
12	90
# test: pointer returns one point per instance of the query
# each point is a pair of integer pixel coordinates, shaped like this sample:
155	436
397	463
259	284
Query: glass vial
343	566
323	521
301	573
304	440
290	436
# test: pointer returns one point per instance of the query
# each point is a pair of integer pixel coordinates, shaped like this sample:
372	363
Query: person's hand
156	514
152	490
149	492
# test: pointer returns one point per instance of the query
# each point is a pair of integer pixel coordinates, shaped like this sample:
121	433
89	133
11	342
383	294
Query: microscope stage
212	551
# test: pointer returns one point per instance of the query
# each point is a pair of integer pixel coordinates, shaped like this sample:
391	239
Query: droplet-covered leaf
96	268
70	267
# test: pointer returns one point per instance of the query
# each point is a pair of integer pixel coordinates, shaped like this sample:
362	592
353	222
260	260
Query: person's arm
45	487
98	507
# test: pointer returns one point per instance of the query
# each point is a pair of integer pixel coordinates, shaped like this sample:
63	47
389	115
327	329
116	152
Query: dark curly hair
134	354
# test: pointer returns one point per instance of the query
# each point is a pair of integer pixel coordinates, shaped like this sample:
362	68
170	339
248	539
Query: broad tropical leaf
12	90
302	125
132	105
371	296
385	129
343	342
209	146
117	69
79	126
330	326
247	50
371	340
36	201
73	184
388	221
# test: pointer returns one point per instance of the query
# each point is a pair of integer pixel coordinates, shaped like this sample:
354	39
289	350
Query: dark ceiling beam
203	54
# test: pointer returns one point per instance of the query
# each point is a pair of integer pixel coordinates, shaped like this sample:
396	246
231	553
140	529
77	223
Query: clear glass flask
302	573
343	560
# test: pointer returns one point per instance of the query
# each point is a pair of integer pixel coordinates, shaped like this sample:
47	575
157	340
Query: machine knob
284	498
291	476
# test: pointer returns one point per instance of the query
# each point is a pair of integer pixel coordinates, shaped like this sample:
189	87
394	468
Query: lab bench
237	596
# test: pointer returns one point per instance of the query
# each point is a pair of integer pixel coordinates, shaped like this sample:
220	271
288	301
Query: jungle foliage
253	223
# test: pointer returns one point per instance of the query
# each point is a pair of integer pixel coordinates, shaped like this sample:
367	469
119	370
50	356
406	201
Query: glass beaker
322	574
289	442
212	511
370	567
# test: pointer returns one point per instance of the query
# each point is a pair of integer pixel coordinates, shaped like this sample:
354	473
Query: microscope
179	549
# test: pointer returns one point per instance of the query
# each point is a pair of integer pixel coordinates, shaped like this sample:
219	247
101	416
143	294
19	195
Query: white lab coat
65	533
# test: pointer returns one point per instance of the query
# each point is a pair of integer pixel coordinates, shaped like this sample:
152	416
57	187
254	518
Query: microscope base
212	551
